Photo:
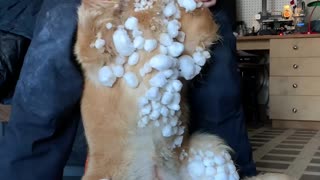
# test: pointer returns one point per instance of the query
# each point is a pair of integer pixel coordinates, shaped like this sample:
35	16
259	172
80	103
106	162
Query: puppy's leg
207	157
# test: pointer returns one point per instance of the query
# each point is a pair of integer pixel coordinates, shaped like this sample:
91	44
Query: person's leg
216	101
45	109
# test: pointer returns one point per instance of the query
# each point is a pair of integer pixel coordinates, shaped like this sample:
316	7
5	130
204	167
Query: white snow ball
206	54
153	93
146	110
199	59
170	9
155	115
131	23
178	14
231	167
174	107
219	160
208	161
133	59
145	69
169	88
168	73
178	141
221	176
175	49
164	111
197	70
165	39
177	85
167	98
150	45
106	76
176	74
142	102
161	62
138	42
109	25
120	60
173	28
99	43
155	105
198	48
131	79
159	80
235	176
181	130
196	168
163	49
118	70
167	131
222	169
210	171
122	42
187	67
209	154
156	123
176	98
174	122
188	5
136	33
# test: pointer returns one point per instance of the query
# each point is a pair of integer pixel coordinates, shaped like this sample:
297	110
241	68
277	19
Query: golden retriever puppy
135	56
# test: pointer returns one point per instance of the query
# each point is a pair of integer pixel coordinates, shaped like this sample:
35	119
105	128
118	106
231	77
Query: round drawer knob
294	110
295	47
294	85
295	66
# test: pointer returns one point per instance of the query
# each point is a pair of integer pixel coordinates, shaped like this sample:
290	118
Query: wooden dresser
295	82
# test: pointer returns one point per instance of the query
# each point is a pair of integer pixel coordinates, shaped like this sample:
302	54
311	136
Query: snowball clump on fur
122	42
211	165
106	76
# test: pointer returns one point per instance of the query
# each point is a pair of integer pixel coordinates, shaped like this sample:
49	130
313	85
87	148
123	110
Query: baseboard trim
314	125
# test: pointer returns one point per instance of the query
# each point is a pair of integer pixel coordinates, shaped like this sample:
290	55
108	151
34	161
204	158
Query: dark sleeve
45	109
18	16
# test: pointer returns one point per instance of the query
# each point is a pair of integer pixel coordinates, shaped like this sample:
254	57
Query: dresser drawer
295	47
295	66
295	107
294	86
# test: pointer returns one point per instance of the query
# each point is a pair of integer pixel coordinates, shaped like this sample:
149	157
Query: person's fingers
202	0
209	3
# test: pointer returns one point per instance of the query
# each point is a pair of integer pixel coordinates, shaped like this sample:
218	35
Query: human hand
208	3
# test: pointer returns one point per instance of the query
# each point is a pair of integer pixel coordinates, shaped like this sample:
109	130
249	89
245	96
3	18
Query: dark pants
215	98
46	112
45	106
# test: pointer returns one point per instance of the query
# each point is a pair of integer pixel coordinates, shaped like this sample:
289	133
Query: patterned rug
295	152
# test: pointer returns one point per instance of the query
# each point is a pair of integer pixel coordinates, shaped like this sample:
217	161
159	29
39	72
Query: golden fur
118	149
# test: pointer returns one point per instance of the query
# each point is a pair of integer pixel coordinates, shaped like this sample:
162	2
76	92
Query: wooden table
263	42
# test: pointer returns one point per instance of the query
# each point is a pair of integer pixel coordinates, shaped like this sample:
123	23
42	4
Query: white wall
246	9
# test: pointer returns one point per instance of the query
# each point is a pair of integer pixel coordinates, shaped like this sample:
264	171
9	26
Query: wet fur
118	149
